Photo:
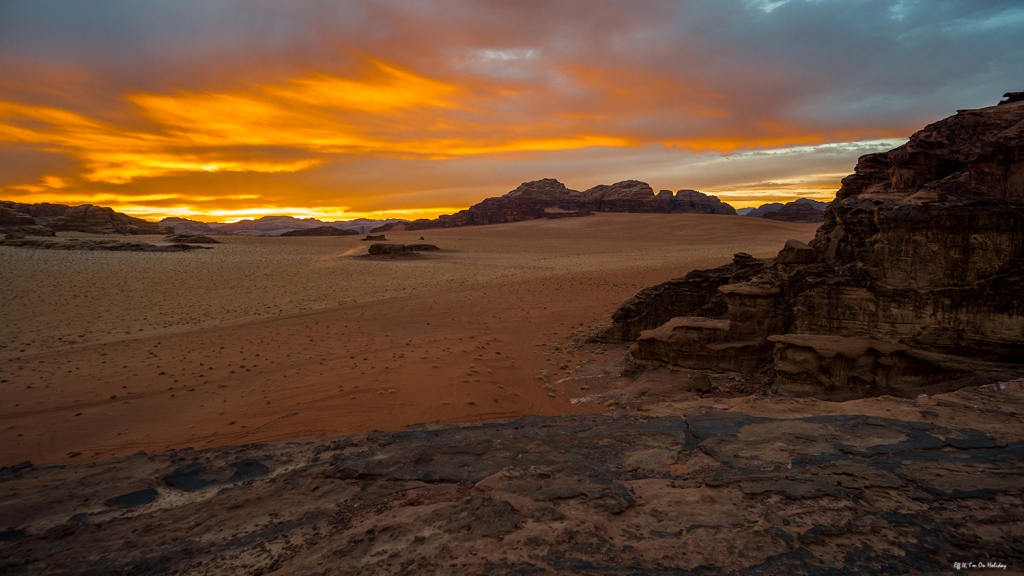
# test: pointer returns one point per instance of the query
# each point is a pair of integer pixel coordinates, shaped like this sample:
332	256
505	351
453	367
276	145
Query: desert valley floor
105	354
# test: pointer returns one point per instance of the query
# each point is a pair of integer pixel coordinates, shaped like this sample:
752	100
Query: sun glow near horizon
326	123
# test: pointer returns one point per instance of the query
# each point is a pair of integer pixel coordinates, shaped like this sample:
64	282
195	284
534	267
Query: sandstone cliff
549	198
912	284
84	218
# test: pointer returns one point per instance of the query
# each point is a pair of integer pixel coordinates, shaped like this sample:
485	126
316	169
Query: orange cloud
137	163
390	112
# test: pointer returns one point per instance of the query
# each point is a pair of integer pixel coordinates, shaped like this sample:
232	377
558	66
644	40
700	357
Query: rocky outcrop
549	198
103	220
321	231
695	294
797	212
400	250
18	223
86	218
911	285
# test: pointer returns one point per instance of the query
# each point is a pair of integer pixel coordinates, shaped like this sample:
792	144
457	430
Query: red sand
106	354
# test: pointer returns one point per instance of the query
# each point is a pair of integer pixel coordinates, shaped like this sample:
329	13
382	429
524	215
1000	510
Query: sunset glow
375	111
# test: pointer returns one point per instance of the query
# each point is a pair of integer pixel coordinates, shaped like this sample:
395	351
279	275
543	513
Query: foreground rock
715	491
912	284
322	231
549	198
103	245
86	218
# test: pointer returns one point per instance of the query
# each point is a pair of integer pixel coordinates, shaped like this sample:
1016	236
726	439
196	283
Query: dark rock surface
549	198
717	491
911	285
375	238
322	231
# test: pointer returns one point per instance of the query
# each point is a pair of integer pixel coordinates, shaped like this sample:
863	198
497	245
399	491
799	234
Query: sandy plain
104	354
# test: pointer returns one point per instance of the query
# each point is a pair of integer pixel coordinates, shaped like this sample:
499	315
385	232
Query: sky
227	109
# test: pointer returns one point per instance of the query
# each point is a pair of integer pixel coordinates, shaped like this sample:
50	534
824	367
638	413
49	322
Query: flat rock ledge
814	488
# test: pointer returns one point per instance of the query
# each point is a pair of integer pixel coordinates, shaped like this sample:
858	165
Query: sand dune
106	354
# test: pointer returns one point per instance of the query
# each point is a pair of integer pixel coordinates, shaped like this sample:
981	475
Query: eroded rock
911	285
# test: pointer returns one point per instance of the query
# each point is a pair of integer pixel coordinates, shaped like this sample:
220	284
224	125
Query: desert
461	287
257	339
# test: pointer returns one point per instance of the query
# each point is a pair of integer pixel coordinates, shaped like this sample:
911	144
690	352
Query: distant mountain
270	225
549	198
322	231
798	212
763	209
185	226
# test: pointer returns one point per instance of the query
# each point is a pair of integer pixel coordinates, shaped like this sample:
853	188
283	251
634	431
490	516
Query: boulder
374	238
796	252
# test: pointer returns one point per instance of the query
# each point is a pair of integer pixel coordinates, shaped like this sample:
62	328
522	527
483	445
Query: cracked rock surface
753	486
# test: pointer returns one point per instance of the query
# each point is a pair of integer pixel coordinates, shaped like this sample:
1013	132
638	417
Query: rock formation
764	209
798	212
399	250
374	238
86	218
12	222
912	284
322	231
549	198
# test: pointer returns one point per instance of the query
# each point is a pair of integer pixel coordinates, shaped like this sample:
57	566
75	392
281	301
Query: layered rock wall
914	282
84	218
